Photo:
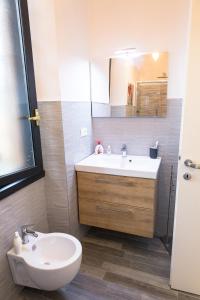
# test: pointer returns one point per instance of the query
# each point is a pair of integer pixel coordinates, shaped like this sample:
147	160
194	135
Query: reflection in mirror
138	86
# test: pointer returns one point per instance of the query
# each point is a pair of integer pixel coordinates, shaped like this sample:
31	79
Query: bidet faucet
25	231
124	150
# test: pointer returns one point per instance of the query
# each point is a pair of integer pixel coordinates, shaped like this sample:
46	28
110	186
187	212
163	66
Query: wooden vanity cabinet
125	204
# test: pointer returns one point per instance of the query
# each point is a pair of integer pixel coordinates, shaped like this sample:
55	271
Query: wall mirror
137	87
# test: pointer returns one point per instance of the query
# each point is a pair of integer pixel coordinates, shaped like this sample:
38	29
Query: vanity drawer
123	218
137	192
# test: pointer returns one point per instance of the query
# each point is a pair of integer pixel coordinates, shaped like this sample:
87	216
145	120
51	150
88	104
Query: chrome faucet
124	150
25	231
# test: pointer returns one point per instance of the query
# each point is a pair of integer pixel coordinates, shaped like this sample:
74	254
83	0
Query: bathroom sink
115	164
47	262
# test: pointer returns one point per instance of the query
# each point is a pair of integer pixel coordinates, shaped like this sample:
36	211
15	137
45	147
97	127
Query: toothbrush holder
153	152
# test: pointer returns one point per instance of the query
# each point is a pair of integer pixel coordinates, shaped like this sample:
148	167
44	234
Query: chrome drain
34	247
47	263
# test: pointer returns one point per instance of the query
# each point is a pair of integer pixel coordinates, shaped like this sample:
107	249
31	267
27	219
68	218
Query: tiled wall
26	206
51	129
62	148
76	115
139	134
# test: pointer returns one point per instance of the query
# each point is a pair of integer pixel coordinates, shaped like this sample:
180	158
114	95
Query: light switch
83	132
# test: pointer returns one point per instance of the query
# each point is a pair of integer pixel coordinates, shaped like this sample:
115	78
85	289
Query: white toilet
47	262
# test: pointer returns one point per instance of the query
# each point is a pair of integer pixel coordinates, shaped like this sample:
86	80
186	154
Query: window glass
16	146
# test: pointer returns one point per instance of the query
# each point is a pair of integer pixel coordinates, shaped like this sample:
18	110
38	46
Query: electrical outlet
83	132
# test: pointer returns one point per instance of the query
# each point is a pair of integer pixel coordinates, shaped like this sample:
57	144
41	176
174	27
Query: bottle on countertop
99	148
109	151
153	151
17	243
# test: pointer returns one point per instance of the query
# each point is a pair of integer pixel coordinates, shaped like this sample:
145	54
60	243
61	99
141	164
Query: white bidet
47	262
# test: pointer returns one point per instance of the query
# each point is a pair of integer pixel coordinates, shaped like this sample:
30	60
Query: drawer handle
118	183
111	209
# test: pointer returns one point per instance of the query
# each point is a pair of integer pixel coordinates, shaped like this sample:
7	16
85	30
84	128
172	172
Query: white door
185	267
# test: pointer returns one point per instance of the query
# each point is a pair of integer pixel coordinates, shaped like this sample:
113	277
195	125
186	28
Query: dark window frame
17	180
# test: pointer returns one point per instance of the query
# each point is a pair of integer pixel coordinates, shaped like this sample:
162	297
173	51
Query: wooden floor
117	266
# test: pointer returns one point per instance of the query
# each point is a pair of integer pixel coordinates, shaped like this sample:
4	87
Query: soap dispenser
17	243
153	151
99	148
109	151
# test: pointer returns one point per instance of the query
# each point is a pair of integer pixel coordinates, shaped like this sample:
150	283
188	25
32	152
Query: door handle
190	164
35	118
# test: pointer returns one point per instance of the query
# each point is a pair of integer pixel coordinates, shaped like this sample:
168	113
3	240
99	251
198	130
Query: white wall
73	49
147	25
60	41
63	30
44	45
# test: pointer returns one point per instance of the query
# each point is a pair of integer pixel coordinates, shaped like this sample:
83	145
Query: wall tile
54	164
26	206
75	116
139	134
62	148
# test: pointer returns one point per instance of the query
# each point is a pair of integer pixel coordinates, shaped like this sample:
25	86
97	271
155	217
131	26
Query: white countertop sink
115	164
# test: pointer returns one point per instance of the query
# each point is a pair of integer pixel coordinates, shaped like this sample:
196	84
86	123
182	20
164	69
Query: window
20	146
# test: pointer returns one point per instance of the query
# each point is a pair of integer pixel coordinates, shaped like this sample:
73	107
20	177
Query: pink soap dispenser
99	148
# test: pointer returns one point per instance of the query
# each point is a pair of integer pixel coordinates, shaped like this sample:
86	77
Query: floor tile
120	267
